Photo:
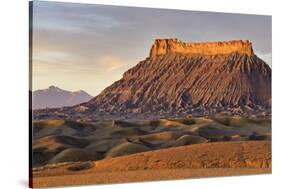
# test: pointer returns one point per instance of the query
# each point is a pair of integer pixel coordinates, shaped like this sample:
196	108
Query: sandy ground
59	141
198	160
141	175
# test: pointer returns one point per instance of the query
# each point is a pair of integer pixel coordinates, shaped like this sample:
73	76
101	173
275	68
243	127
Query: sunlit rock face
166	46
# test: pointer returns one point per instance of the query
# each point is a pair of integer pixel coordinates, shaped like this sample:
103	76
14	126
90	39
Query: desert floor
194	161
140	176
75	153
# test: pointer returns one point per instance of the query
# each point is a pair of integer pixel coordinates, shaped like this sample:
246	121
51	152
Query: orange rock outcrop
164	46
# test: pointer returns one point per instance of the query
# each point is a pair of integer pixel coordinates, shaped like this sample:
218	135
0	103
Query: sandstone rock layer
165	46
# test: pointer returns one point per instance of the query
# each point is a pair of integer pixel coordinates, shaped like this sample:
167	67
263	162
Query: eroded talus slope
177	80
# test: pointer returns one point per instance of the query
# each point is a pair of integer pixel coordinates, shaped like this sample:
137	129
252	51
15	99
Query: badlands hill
180	79
179	76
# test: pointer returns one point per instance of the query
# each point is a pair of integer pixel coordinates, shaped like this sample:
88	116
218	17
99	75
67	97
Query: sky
88	47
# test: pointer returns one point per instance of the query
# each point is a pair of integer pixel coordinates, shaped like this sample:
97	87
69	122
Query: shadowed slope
75	154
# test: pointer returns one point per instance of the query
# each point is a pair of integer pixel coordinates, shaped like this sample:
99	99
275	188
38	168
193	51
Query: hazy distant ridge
54	97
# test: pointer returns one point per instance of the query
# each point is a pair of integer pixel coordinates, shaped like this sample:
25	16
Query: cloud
110	63
267	57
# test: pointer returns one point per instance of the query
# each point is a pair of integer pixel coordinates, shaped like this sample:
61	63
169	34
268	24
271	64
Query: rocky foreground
70	153
56	141
200	160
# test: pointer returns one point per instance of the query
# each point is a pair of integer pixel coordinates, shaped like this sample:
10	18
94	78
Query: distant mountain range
54	97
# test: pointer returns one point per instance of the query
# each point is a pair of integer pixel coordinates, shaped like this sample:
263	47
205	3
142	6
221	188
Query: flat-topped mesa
164	46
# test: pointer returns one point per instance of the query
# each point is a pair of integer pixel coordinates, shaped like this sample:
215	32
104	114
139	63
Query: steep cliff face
167	46
178	76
